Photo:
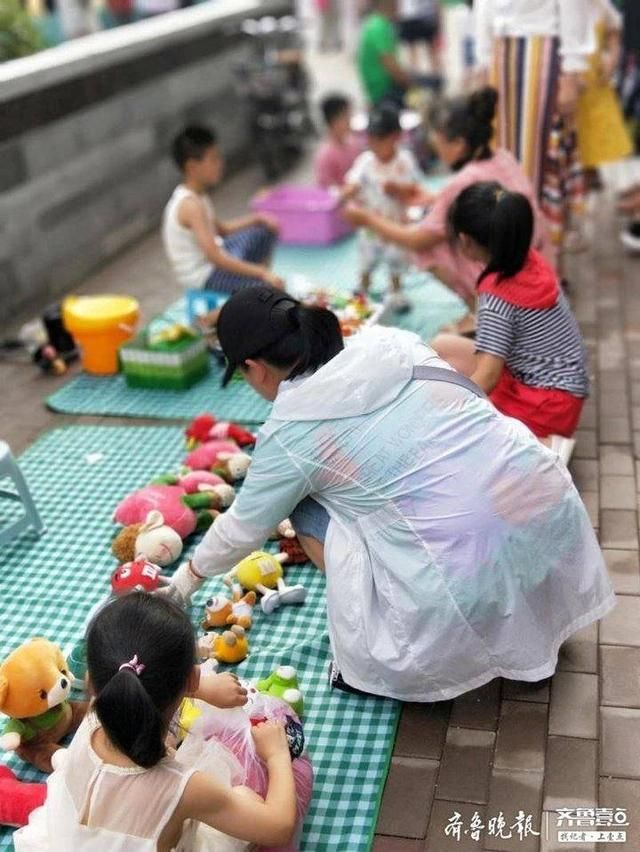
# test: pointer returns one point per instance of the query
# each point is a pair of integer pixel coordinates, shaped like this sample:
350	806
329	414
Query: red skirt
545	411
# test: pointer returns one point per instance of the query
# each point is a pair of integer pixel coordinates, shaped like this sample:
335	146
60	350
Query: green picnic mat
48	585
335	266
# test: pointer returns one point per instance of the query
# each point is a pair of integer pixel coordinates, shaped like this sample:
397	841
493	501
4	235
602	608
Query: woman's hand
221	690
356	215
270	740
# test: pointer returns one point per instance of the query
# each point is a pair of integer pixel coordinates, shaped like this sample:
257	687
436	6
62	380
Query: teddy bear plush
35	683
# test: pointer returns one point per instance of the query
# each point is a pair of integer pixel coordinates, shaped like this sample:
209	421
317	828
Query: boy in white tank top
205	252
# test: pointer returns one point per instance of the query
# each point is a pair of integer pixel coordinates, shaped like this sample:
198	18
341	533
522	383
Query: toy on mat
140	575
222	457
220	611
205	428
153	539
283	683
34	691
184	513
18	798
262	572
197	481
218	736
229	647
293	549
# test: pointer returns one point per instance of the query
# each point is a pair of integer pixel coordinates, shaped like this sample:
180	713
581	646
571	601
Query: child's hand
270	740
356	215
222	690
273	280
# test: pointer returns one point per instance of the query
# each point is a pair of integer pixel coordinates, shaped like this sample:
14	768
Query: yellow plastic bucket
100	325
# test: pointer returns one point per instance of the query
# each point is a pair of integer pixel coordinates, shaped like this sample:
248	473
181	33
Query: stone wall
84	165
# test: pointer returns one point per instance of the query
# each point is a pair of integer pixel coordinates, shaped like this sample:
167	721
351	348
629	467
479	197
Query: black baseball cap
252	319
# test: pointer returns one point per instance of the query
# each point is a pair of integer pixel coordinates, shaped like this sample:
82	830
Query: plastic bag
220	742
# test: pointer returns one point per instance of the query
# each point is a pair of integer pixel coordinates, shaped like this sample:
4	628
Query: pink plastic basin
308	215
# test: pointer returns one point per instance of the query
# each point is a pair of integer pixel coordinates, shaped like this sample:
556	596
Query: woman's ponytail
470	118
140	654
314	339
499	221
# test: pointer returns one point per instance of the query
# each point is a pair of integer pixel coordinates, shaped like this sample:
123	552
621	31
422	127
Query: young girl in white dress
118	788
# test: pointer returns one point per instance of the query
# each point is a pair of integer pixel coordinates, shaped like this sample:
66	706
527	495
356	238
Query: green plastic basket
165	366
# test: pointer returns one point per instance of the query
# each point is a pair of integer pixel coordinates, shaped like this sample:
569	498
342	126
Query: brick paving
507	747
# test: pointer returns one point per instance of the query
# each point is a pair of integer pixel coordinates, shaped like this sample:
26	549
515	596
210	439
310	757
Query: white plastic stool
31	518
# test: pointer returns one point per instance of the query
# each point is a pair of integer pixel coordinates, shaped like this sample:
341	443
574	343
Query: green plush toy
283	683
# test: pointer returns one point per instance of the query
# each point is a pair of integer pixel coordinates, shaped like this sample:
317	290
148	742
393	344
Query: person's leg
460	352
254	244
310	521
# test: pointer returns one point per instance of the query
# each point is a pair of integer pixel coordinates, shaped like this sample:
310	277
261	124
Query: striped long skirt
525	73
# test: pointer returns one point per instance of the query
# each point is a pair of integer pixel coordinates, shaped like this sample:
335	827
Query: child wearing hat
380	178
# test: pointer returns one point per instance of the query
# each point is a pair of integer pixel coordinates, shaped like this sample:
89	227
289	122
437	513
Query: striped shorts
253	244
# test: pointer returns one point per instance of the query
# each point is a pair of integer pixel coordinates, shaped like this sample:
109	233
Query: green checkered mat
48	585
336	266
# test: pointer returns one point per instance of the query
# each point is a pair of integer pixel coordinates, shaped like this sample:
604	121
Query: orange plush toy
34	691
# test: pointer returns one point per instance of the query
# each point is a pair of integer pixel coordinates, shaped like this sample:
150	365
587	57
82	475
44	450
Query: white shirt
190	264
410	9
569	20
370	175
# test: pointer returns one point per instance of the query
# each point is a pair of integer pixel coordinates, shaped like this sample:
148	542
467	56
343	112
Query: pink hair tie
134	665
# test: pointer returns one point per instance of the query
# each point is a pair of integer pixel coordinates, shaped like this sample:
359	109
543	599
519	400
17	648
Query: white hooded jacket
458	549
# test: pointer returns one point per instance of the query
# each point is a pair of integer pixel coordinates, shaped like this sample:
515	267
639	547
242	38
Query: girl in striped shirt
528	354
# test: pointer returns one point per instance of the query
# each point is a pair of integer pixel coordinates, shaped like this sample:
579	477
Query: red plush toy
205	428
18	798
139	575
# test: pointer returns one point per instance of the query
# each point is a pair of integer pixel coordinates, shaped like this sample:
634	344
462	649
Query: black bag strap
422	372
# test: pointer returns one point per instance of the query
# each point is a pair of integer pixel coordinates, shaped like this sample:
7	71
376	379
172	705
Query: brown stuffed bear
34	690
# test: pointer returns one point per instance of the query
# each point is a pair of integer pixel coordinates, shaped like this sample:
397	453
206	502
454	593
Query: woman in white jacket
534	52
455	545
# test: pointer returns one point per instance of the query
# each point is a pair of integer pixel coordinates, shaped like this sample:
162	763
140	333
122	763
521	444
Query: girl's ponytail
499	221
140	654
130	719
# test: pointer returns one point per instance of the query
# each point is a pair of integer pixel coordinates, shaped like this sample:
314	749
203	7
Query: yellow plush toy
34	690
262	572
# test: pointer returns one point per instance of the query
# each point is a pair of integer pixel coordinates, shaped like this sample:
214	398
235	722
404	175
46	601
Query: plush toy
262	572
177	508
222	457
18	798
154	540
140	575
34	690
218	738
220	611
195	481
293	549
231	646
283	683
205	428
